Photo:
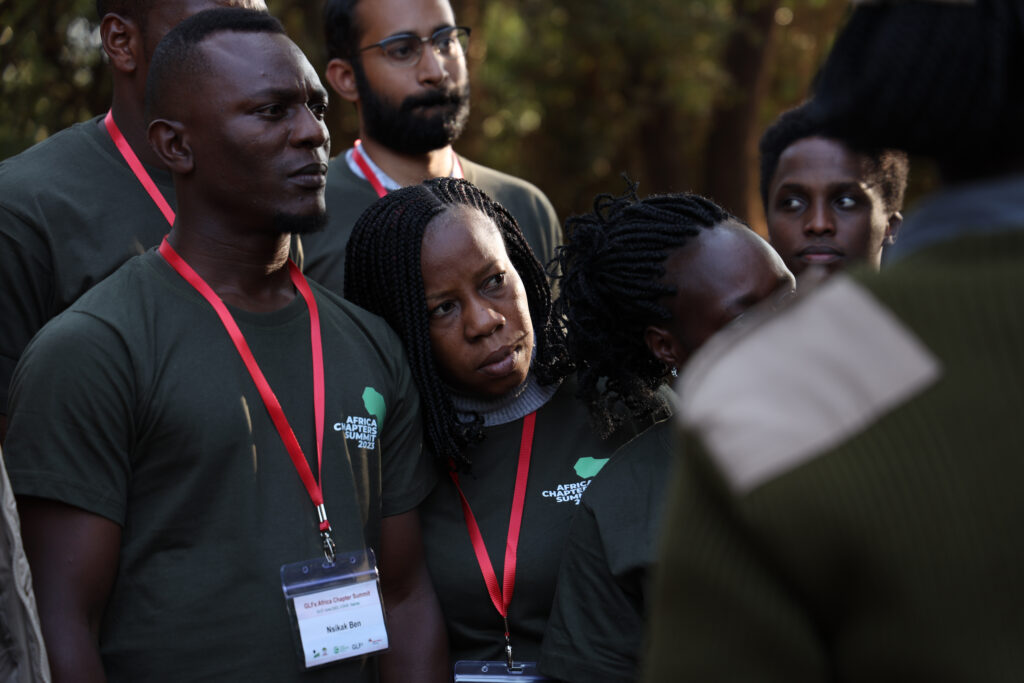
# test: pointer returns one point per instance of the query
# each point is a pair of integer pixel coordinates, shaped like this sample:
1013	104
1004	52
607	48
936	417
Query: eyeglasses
405	50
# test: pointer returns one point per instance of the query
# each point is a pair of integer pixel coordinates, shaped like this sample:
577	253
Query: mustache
432	99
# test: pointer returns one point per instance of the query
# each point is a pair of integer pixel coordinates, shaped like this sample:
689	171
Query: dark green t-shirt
597	622
71	212
566	454
135	405
349	195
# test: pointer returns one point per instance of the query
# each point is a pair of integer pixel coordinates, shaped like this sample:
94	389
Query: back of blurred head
939	78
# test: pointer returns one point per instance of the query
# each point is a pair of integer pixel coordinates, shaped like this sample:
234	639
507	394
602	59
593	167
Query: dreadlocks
383	275
611	271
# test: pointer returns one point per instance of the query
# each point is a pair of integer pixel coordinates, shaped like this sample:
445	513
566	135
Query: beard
296	224
406	130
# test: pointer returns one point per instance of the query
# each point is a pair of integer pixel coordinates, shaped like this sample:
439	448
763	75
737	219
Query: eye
442	309
271	111
846	202
494	282
319	109
445	44
790	204
402	49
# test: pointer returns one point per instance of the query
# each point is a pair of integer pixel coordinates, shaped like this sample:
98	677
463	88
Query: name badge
467	671
335	608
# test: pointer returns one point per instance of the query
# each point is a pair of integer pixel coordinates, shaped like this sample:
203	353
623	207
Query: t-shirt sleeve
71	417
408	476
26	292
720	611
593	633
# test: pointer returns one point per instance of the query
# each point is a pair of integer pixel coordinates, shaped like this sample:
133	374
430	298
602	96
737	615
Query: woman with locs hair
643	284
450	271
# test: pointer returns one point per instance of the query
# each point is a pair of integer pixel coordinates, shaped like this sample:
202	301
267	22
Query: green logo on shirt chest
363	430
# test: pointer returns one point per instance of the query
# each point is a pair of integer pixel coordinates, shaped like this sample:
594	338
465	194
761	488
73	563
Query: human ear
170	142
664	346
342	78
895	221
122	41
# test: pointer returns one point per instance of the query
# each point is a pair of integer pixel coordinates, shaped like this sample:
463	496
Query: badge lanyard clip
325	533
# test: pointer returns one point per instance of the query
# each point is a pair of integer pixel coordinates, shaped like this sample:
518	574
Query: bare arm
419	642
73	555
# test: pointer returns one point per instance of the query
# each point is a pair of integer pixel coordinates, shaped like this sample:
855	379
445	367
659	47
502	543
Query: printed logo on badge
363	430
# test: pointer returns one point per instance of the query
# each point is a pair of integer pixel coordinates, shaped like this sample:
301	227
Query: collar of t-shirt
385	180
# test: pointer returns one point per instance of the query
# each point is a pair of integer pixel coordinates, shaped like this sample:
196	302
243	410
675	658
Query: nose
820	220
482	320
310	130
431	67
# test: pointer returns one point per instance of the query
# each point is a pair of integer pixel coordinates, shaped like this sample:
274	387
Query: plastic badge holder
335	608
467	671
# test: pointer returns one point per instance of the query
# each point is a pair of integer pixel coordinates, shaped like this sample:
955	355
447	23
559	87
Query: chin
300	224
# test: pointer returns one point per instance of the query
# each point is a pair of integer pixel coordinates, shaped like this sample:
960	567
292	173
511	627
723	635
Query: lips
820	254
501	362
312	176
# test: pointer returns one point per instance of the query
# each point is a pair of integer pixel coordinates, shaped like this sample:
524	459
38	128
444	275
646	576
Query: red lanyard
277	415
137	168
502	596
374	181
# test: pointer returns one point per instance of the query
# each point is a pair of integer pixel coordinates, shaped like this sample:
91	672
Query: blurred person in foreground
848	501
827	204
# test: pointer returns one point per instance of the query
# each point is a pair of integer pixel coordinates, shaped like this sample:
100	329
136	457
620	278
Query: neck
131	121
245	270
409	169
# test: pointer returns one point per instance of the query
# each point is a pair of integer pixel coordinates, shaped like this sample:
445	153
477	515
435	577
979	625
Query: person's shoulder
356	321
646	456
42	160
769	395
499	185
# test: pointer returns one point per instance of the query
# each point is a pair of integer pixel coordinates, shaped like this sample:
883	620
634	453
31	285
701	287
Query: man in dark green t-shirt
71	211
412	98
161	487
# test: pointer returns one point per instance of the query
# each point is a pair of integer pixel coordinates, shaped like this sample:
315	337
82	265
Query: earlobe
122	41
169	141
342	78
895	221
663	346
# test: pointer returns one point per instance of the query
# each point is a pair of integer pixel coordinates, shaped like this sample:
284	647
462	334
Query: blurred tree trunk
730	159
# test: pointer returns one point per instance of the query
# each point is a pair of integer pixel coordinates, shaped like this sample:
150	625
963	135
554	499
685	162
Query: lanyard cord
501	597
374	181
137	168
270	401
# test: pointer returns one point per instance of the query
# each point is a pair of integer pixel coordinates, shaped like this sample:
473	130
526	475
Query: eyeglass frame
422	41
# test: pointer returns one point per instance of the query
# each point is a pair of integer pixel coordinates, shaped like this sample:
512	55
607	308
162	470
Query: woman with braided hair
450	271
644	283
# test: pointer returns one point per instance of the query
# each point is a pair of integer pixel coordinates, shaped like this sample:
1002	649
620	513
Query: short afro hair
887	168
177	59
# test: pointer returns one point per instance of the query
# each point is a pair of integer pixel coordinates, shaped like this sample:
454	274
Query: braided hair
383	275
937	79
610	274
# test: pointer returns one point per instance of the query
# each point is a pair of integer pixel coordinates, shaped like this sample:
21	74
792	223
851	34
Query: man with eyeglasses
403	64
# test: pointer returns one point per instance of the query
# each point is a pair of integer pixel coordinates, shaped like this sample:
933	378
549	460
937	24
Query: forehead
378	19
463	235
723	262
242	64
818	160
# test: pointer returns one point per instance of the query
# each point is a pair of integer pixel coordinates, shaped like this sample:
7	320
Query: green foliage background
566	93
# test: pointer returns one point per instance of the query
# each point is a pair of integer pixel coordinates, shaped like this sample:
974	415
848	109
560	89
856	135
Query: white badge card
335	608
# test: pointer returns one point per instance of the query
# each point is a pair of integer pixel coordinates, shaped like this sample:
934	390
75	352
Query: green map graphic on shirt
589	467
374	404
